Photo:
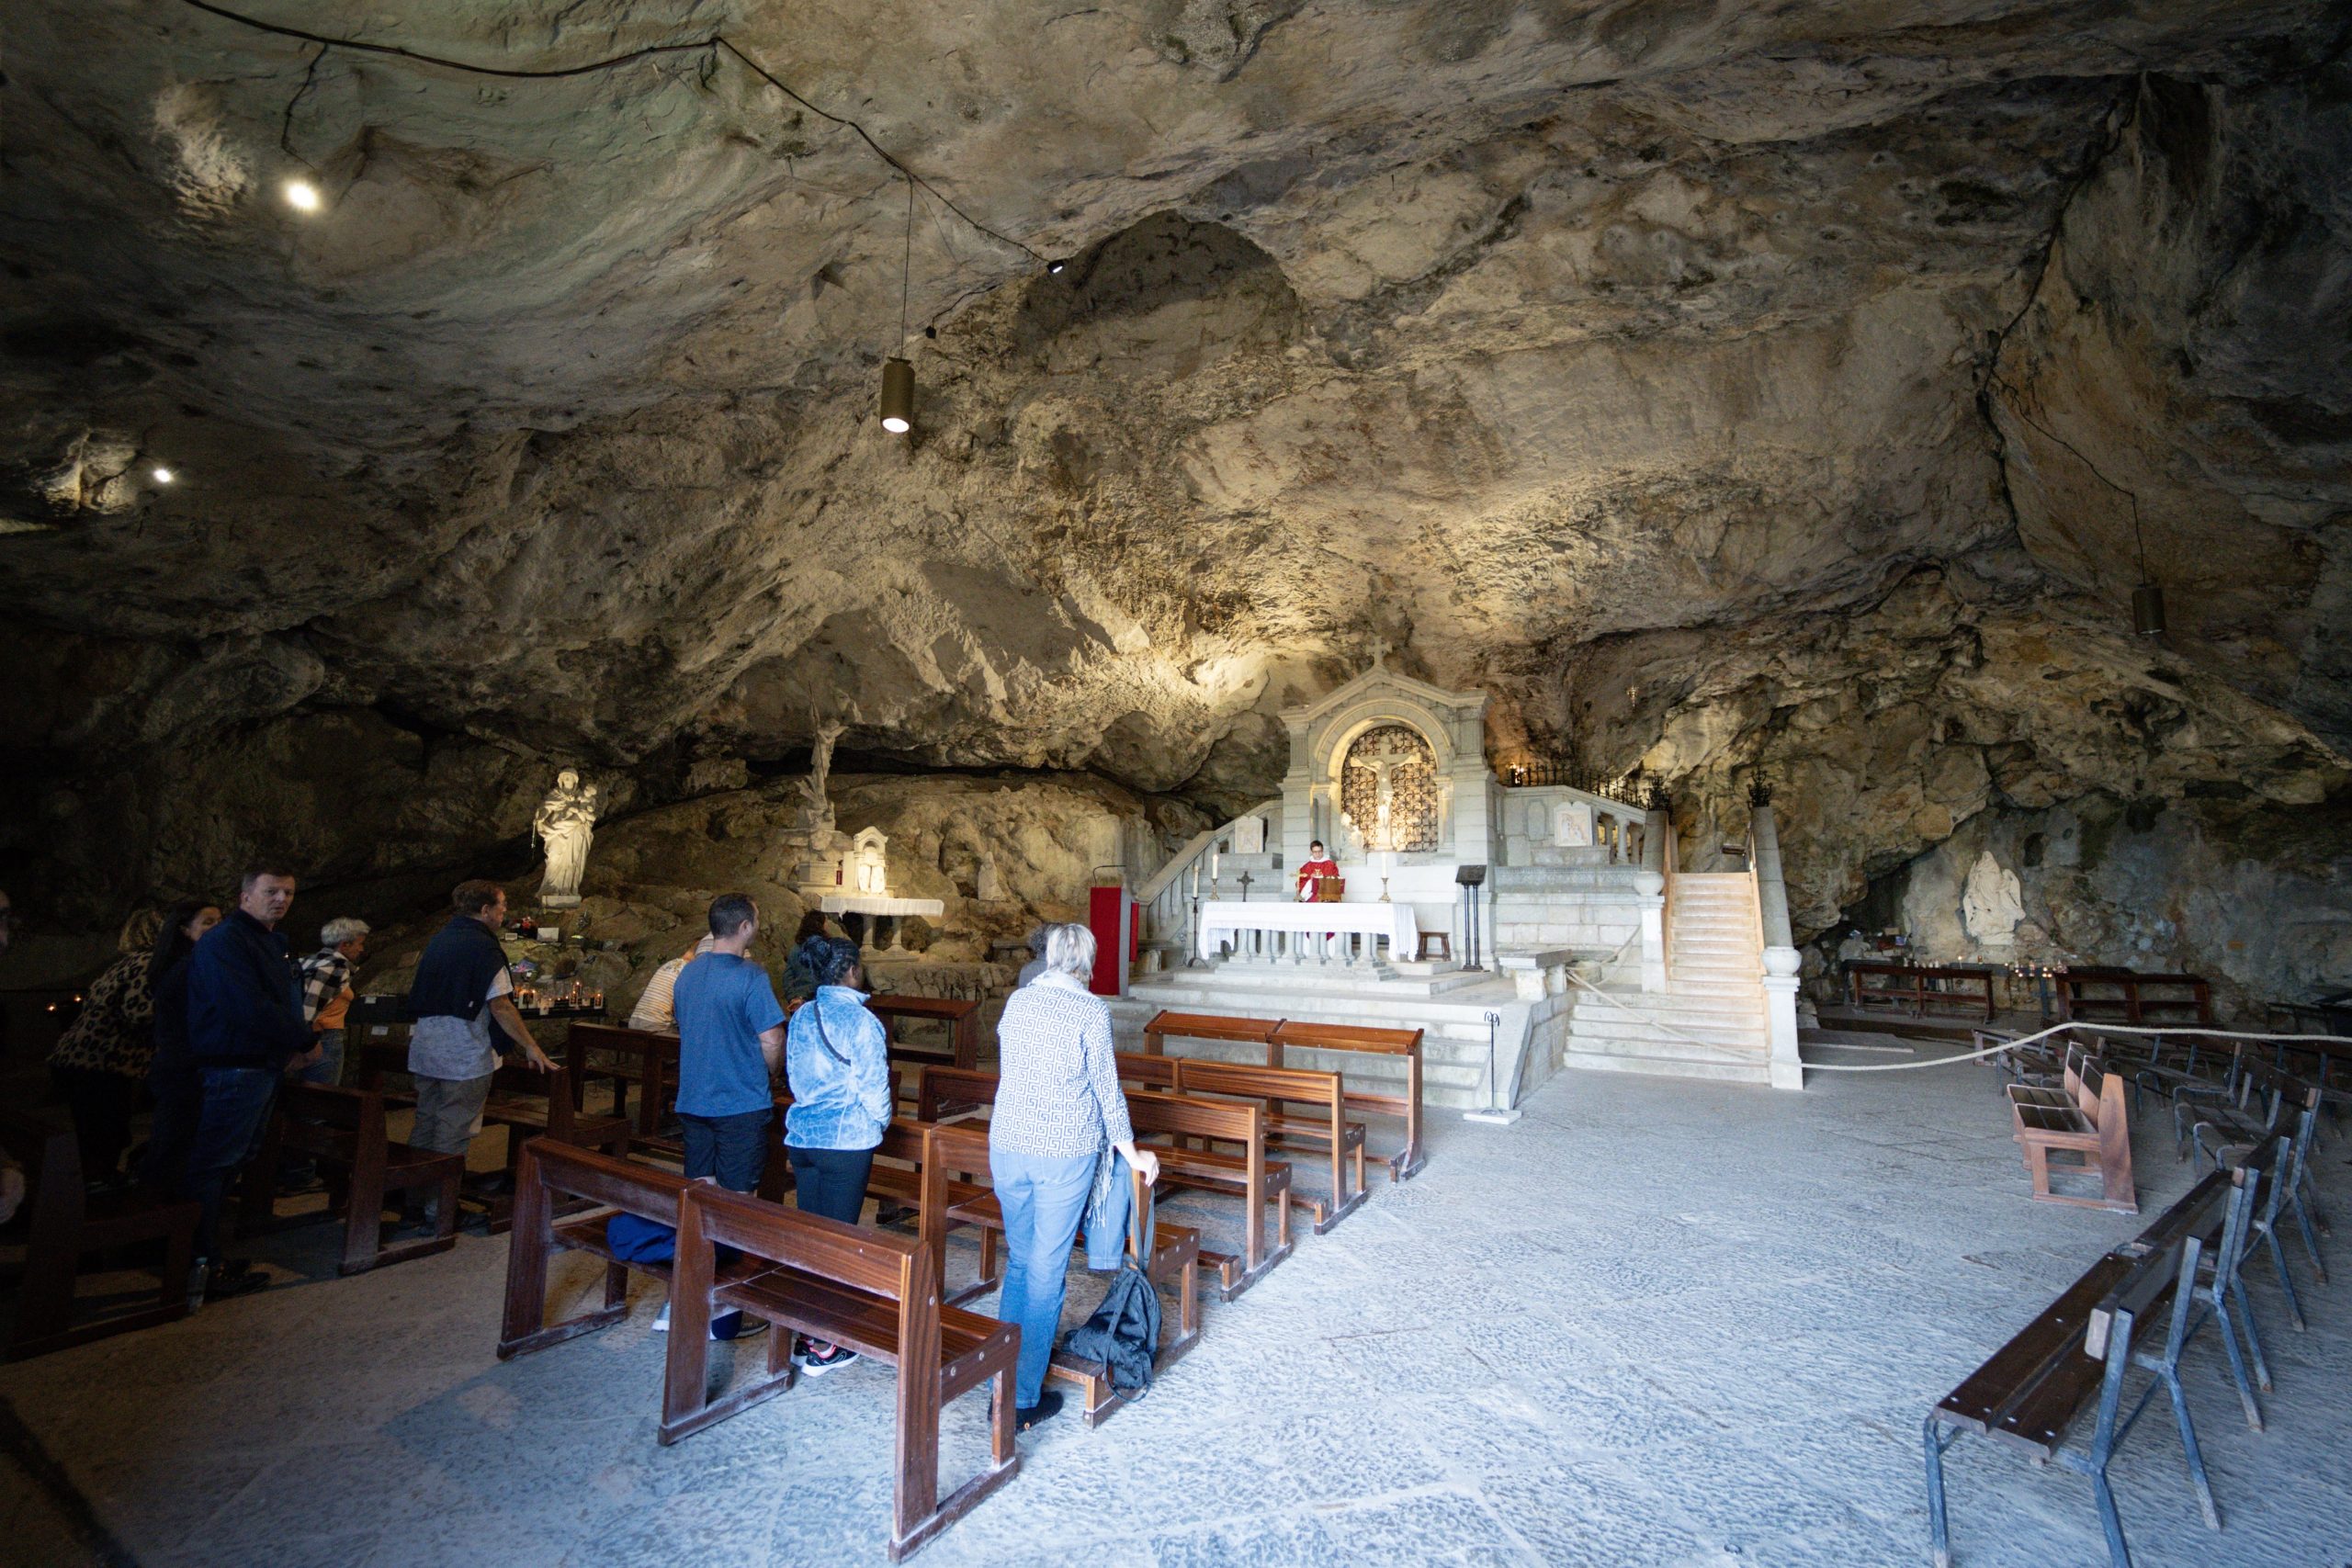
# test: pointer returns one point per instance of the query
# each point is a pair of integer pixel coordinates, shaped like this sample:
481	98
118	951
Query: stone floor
1653	1323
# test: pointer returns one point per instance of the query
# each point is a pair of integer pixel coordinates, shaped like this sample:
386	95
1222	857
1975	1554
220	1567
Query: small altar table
1281	931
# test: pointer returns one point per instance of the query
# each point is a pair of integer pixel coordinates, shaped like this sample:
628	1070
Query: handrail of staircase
1660	850
1165	886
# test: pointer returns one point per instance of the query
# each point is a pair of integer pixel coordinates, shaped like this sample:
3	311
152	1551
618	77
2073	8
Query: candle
1213	864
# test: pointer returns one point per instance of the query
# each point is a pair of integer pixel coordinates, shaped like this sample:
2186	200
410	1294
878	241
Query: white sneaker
661	1324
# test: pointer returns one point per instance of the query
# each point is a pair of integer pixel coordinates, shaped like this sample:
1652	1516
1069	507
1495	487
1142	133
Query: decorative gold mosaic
1394	765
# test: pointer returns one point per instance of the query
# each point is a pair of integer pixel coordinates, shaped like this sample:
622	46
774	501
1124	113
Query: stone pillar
1782	960
1649	889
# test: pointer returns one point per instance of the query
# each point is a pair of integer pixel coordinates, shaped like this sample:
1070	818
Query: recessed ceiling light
303	196
165	476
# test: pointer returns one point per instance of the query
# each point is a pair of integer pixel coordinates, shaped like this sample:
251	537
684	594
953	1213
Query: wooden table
2131	1007
1963	987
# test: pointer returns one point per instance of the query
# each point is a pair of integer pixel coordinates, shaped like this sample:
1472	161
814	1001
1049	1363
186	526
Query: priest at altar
1313	870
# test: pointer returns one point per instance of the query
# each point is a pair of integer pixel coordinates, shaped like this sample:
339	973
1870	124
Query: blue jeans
234	1111
328	1068
1043	1199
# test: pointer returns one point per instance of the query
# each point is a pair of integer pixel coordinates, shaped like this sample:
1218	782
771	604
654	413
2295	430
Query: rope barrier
2021	1040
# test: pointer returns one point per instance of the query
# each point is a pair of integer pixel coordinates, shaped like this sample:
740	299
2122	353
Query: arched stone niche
1379	710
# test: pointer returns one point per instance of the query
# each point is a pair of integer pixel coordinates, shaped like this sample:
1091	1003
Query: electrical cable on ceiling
713	43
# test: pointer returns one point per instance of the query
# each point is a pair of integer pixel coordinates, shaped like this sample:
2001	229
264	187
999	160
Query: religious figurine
816	809
565	823
1313	870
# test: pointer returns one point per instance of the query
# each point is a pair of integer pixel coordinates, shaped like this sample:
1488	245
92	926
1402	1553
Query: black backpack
1124	1333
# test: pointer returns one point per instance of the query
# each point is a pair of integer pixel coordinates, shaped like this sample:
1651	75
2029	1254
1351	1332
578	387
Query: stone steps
1671	1068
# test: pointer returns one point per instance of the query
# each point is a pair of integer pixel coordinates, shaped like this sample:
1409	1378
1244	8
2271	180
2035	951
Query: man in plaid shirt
326	998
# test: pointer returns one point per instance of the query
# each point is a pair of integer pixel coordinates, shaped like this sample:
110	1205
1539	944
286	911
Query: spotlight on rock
2148	609
164	476
1055	265
303	196
897	396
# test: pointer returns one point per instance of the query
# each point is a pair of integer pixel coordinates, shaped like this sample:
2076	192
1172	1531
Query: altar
1273	931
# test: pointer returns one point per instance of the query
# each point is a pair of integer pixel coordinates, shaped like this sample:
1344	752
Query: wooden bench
1175	1254
961	1015
649	1059
1277	1087
1249	1174
549	1178
844	1285
2086	1118
916	1182
2073	1358
66	1222
2140	999
343	1129
1406	1042
1948	988
1258	1031
529	1104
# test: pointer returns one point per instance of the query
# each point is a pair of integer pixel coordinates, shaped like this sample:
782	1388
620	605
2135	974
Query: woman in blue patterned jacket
1057	1104
837	1057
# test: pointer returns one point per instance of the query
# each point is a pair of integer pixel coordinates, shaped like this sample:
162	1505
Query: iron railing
1630	790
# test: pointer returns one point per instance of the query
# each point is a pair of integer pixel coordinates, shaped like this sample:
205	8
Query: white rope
1932	1061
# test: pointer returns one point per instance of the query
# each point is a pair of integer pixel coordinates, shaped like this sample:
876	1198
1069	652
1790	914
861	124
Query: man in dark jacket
244	1024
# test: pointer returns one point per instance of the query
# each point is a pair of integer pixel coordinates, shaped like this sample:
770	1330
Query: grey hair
1069	949
341	928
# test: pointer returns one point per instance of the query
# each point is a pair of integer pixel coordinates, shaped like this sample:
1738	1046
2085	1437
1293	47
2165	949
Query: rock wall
2257	897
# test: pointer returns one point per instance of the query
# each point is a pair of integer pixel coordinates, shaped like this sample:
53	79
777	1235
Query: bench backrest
1210	1026
1346	1037
961	1147
618	1037
890	1267
306	1106
646	1190
1151	1072
1300	1084
936	1085
51	1156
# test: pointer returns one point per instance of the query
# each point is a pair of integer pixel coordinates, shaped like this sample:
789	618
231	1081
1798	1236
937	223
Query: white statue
816	809
565	823
1992	902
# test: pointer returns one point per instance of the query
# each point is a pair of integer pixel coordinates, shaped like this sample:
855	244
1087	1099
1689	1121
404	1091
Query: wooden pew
2084	1118
66	1222
343	1129
1175	1254
649	1059
2073	1358
529	1104
1963	987
844	1285
1406	1042
1256	1032
1249	1174
919	1183
961	1016
1329	1128
2140	999
549	1179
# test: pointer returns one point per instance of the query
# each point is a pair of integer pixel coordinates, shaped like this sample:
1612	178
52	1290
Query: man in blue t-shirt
730	1044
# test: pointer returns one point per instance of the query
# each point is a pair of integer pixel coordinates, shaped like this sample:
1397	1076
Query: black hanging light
897	375
2148	598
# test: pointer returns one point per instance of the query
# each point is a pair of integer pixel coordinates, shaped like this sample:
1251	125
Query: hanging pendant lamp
898	375
2148	598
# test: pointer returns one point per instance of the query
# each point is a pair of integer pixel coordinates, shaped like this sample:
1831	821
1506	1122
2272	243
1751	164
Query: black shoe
891	1214
1048	1406
833	1361
225	1284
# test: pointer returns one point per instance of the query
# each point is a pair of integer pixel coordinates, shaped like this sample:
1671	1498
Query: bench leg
2188	1447
1939	1531
2228	1322
2110	1523
2286	1281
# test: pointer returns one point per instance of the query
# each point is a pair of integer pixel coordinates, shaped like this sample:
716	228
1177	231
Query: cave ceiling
1598	354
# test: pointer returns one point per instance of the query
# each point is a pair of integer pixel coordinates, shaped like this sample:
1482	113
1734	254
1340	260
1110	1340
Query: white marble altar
1289	933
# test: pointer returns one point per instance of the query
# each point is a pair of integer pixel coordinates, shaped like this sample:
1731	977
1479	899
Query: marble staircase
1709	1022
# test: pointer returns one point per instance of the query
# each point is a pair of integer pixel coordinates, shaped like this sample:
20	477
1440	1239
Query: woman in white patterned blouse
1057	1104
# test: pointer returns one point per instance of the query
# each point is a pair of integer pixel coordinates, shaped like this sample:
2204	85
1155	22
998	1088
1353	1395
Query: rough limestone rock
1728	390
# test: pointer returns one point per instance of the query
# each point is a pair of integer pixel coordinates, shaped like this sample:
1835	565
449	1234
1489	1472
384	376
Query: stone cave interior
1724	554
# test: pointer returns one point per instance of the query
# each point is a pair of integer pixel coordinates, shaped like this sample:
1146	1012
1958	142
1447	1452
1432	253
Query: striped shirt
1058	1095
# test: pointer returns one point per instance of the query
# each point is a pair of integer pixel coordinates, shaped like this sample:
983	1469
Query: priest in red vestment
1313	870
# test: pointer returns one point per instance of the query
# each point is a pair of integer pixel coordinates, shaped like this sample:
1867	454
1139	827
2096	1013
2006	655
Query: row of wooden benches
2139	1306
